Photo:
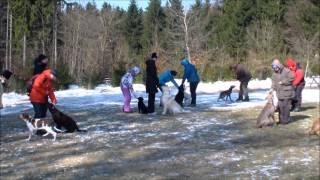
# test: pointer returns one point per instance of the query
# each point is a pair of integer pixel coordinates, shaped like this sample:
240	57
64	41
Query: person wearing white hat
127	88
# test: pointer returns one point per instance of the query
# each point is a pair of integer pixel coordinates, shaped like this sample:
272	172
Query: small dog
180	96
266	116
141	106
169	103
226	93
35	124
315	129
63	120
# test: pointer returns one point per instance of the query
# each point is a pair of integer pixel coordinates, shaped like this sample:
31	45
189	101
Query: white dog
168	102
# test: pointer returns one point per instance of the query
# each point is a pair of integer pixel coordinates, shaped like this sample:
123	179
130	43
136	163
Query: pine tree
134	28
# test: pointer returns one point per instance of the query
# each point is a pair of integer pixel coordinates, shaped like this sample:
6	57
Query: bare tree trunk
24	51
55	35
186	35
7	35
10	42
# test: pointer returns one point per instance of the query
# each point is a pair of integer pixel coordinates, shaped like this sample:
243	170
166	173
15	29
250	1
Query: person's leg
193	88
151	99
1	105
161	92
284	110
297	104
126	100
245	91
36	109
43	110
240	98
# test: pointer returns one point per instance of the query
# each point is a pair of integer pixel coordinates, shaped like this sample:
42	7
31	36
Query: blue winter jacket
166	77
190	72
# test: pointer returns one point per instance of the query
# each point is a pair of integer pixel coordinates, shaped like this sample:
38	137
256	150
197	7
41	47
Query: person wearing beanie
42	87
40	64
191	74
127	88
282	79
152	81
298	83
244	76
4	77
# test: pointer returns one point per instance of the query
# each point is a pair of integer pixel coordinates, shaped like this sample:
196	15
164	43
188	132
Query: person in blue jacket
190	73
167	76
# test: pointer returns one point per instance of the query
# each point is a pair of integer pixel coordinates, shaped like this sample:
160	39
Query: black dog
226	94
63	120
141	106
180	96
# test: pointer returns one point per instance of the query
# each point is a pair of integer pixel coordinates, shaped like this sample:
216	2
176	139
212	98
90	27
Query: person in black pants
152	81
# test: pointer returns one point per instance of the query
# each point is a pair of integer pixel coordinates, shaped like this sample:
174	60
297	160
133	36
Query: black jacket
152	80
242	74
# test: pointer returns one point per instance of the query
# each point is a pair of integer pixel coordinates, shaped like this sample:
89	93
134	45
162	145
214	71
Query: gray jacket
285	89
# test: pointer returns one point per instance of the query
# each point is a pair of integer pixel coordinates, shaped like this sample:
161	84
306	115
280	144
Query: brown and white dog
35	124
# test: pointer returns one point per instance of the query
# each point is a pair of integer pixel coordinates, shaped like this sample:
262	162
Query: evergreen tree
134	28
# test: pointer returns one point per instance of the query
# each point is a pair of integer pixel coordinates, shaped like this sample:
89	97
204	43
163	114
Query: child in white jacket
127	88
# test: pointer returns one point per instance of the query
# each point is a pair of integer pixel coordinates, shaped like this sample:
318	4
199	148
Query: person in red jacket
298	83
41	89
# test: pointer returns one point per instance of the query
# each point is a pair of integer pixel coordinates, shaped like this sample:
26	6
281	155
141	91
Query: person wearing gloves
298	83
167	76
190	73
282	83
127	88
4	77
41	89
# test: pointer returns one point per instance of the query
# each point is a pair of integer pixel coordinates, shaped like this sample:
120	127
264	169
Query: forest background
87	44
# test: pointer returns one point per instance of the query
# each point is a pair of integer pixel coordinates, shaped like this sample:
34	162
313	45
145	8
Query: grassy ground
201	144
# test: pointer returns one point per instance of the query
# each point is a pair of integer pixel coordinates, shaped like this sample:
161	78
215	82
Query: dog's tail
57	130
81	130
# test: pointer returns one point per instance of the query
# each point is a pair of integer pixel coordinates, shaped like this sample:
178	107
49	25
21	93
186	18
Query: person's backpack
30	83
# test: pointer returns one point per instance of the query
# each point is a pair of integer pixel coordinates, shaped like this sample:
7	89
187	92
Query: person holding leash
127	88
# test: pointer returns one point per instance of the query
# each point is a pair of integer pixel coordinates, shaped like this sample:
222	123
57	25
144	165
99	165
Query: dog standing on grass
266	116
226	94
35	124
141	106
63	120
169	104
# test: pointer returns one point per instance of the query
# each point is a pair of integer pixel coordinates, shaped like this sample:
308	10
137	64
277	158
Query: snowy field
215	140
76	97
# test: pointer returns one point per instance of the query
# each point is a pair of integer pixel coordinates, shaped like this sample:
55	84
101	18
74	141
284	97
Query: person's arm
298	78
174	83
185	75
288	79
51	94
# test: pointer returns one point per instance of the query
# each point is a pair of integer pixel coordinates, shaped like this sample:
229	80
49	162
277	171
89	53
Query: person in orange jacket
298	83
41	89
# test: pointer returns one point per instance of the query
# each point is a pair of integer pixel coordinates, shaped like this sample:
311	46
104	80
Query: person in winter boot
41	89
127	88
167	76
282	83
152	81
190	73
244	76
4	77
298	83
40	64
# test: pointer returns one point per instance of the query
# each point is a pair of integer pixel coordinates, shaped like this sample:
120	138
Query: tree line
86	44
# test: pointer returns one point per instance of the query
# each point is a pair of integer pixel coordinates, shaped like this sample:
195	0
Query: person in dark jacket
298	83
152	81
40	64
190	73
167	76
282	83
4	77
244	76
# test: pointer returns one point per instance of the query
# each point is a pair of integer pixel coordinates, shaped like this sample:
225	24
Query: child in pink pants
127	88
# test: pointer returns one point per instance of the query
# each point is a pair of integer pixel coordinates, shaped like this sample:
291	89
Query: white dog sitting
168	102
